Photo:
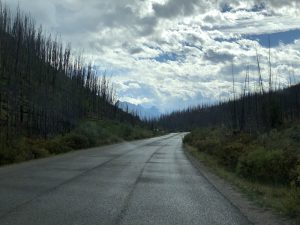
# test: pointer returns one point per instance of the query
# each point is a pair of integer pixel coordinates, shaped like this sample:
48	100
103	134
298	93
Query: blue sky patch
258	7
170	56
226	8
255	8
285	37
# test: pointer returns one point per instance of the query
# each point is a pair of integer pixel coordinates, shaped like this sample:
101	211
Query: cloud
174	8
176	53
216	56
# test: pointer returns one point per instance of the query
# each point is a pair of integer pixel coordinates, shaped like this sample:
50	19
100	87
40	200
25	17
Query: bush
8	155
296	176
95	131
268	166
39	152
75	141
229	155
187	139
295	134
69	142
33	148
21	150
89	133
245	138
139	133
55	146
292	202
126	132
196	135
211	146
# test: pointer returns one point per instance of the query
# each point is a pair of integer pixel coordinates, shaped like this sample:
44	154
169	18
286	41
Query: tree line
255	111
45	89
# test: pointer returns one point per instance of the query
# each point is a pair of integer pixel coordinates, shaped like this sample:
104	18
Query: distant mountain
141	111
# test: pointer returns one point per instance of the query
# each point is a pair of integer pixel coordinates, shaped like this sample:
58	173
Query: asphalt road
142	182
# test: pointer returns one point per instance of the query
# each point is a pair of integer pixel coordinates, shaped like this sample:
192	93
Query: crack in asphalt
130	194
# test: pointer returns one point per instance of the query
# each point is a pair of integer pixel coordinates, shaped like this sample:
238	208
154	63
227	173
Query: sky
178	53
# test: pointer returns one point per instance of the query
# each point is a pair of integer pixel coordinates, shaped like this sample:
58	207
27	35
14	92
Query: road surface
142	182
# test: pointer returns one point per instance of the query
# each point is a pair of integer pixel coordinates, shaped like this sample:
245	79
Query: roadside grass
89	133
277	182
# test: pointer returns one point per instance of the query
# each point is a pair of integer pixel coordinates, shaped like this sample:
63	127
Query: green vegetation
266	167
90	133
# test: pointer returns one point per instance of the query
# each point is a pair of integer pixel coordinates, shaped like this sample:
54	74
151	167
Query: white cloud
125	38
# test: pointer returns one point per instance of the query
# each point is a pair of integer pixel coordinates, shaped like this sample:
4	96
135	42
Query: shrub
187	139
8	155
292	202
267	166
39	152
20	150
75	141
33	148
295	176
196	135
126	132
230	154
89	133
246	139
139	132
295	134
55	146
211	146
94	131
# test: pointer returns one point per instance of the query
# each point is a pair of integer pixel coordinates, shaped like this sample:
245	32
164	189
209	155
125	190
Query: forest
252	112
45	89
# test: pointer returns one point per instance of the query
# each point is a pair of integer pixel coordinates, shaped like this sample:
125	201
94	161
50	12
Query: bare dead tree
270	65
260	81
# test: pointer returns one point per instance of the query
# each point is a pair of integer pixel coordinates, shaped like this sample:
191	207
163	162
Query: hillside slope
47	92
